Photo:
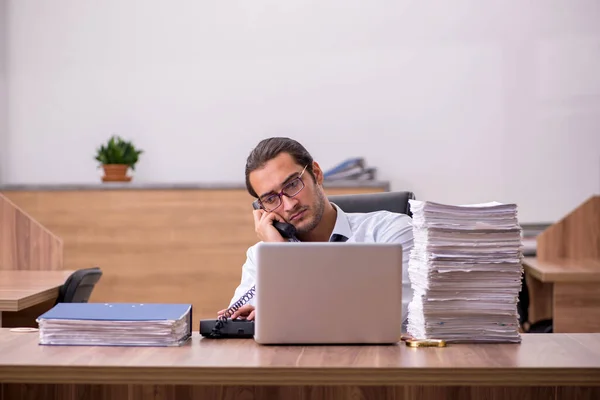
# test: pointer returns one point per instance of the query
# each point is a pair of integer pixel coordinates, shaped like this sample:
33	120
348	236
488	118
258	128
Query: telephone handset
287	231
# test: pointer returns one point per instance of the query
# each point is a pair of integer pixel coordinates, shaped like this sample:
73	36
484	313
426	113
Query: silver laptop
328	293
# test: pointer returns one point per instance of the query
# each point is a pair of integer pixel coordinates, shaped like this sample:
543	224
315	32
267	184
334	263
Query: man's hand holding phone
263	225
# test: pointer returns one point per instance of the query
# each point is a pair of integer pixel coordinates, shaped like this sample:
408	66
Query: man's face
306	208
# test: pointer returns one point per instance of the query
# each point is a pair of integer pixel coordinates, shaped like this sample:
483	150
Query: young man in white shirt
288	183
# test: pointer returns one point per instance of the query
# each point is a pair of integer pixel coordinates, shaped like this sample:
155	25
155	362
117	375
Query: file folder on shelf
116	324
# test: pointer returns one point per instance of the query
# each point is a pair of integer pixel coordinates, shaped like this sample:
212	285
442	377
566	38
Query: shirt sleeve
248	278
399	229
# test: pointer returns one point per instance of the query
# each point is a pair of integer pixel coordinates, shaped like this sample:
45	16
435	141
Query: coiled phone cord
222	320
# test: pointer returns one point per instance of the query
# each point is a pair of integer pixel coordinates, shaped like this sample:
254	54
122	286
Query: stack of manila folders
116	324
465	270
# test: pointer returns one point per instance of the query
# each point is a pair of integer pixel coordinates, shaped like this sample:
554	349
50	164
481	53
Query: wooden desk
567	291
560	366
23	290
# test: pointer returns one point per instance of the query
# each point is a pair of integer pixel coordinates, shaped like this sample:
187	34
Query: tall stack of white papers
116	324
465	270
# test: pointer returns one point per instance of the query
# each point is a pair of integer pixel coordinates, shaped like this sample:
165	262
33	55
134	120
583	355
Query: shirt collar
342	225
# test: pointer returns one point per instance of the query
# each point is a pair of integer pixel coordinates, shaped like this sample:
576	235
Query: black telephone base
232	329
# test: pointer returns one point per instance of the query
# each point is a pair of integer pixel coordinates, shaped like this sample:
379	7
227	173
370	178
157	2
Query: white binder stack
465	271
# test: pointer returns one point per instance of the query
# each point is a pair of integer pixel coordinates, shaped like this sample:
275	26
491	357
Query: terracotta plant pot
115	173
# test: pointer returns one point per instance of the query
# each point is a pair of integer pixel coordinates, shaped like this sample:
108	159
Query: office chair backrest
523	304
79	286
390	201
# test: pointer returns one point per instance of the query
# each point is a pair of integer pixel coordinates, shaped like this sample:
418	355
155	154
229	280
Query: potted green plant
116	157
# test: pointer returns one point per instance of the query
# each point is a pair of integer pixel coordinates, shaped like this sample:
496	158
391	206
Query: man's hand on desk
246	311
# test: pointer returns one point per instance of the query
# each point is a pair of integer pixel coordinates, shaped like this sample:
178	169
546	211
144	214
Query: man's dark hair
268	149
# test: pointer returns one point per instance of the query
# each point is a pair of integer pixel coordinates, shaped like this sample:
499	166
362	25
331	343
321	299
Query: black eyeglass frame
283	192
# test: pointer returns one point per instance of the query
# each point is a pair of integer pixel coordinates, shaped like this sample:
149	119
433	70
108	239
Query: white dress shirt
373	227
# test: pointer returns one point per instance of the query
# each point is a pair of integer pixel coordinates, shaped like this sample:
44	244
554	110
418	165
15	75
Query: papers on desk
116	324
465	271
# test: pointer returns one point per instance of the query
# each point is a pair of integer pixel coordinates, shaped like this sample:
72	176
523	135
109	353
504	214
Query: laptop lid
328	292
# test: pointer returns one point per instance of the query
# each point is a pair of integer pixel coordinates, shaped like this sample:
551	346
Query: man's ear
318	173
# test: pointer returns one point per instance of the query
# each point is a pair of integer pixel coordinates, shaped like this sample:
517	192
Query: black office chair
523	305
390	201
541	326
79	286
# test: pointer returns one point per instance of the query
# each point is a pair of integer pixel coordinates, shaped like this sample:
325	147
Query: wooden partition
574	237
25	244
564	278
29	252
156	245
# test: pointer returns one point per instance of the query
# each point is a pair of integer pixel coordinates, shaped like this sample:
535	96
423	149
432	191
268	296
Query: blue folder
115	315
117	311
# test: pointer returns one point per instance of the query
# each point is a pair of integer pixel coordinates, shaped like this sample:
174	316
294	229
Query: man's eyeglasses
290	189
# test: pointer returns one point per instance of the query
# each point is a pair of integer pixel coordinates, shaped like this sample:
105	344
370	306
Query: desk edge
301	376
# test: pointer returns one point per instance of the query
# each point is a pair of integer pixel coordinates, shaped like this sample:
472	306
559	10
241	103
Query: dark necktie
336	237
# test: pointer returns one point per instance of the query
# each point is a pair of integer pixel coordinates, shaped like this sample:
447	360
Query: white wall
460	101
3	92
